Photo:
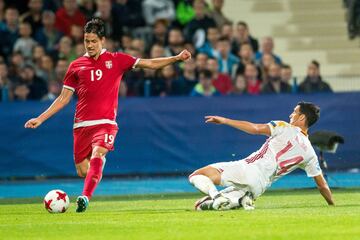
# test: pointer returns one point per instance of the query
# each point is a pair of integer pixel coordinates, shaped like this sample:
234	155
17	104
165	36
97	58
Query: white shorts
241	175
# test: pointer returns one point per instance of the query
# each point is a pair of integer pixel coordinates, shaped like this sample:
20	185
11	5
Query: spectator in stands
195	30
16	63
267	47
242	36
9	31
246	56
227	61
20	91
158	9
65	49
104	11
2	10
187	80
47	69
252	81
54	90
6	83
25	43
217	14
159	33
69	15
110	45
88	8
200	62
33	16
48	36
135	79
353	18
273	82
227	31
125	43
138	44
60	69
266	61
128	15
204	88
37	52
175	42
286	74
163	85
79	50
76	34
36	85
209	46
222	82
313	81
239	85
184	12
157	50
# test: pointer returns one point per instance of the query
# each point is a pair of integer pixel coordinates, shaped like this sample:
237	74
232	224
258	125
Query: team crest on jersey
108	64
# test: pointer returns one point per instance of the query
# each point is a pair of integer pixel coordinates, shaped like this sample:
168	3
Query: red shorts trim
85	138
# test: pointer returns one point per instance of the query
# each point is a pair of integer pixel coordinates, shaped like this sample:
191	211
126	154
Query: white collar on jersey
102	51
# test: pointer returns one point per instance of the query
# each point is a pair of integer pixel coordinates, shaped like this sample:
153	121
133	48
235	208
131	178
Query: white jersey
287	149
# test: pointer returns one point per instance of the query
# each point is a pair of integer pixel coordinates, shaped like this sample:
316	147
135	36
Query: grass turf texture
296	214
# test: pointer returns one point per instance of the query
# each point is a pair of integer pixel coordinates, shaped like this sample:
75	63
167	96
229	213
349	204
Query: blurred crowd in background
39	39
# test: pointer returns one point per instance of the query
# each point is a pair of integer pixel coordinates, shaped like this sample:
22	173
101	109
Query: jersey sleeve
125	61
312	167
70	80
277	127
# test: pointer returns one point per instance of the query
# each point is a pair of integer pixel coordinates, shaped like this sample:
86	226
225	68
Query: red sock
93	177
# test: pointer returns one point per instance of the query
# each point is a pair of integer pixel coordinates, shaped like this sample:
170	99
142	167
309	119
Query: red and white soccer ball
56	201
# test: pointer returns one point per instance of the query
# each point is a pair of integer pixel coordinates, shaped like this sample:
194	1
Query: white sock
204	184
234	197
104	162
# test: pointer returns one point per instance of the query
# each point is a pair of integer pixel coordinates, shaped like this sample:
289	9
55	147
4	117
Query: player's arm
248	127
62	100
156	63
324	189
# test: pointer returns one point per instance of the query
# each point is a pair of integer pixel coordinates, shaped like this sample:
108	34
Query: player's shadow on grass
152	211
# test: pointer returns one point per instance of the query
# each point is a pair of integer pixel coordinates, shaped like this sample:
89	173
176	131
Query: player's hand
33	123
215	119
184	55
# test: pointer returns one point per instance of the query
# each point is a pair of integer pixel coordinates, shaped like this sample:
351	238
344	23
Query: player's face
93	44
296	117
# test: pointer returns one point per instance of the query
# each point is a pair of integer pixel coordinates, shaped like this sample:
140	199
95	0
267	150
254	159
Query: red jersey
223	83
96	83
64	21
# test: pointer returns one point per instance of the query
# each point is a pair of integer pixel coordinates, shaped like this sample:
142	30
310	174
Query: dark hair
95	25
224	39
316	63
286	66
242	23
311	112
206	74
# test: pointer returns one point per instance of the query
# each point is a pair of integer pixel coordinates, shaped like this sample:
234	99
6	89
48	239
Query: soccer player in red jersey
95	78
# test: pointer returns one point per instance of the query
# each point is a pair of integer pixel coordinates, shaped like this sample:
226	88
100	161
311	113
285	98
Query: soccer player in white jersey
286	149
95	78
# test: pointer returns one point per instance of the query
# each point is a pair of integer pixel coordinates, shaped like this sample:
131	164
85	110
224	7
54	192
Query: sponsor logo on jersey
108	64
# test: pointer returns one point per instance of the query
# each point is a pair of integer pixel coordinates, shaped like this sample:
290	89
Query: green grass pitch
296	214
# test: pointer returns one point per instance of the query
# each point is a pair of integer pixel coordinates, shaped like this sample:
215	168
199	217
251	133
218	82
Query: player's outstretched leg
204	179
92	179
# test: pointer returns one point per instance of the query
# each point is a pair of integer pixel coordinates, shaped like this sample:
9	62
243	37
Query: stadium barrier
167	135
